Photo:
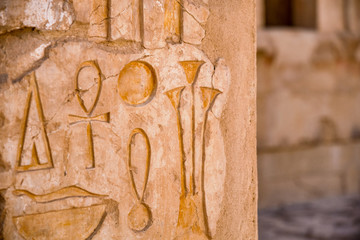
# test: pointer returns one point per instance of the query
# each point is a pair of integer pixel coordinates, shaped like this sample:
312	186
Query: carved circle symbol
137	83
139	217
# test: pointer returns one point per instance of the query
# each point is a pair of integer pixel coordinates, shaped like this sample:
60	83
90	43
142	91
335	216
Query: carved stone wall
127	119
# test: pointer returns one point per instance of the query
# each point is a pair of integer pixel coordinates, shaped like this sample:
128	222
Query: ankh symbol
74	119
139	217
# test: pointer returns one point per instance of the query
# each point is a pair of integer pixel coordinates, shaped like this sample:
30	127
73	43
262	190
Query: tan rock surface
124	134
43	15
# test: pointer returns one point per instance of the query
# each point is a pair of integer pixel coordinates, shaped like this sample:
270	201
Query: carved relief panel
129	124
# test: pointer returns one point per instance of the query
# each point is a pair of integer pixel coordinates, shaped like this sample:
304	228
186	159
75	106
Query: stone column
131	119
330	15
260	13
352	16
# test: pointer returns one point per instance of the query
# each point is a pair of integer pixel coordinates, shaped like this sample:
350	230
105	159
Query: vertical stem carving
208	96
175	95
191	69
91	145
192	218
173	20
141	21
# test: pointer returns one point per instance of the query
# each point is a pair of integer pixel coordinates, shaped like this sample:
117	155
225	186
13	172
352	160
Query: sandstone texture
43	14
128	120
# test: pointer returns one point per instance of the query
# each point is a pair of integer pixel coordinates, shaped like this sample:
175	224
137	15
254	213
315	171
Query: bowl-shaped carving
75	223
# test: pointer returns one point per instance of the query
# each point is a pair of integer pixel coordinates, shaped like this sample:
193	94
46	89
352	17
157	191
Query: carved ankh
74	119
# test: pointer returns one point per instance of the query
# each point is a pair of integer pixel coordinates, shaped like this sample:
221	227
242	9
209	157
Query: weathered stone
59	66
153	24
195	16
132	133
99	20
193	32
197	9
125	20
43	15
23	59
82	10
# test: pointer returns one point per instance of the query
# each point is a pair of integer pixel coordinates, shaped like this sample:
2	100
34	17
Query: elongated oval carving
139	217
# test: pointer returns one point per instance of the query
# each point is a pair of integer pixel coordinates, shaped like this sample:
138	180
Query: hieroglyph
35	163
73	119
192	219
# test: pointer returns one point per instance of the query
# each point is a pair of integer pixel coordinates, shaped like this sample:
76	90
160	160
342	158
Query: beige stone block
198	9
193	32
125	20
82	9
153	21
176	22
99	20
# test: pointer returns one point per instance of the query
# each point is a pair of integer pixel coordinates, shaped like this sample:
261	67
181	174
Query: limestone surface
126	120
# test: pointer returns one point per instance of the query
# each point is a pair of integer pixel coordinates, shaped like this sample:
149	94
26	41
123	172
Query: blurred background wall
308	99
308	69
